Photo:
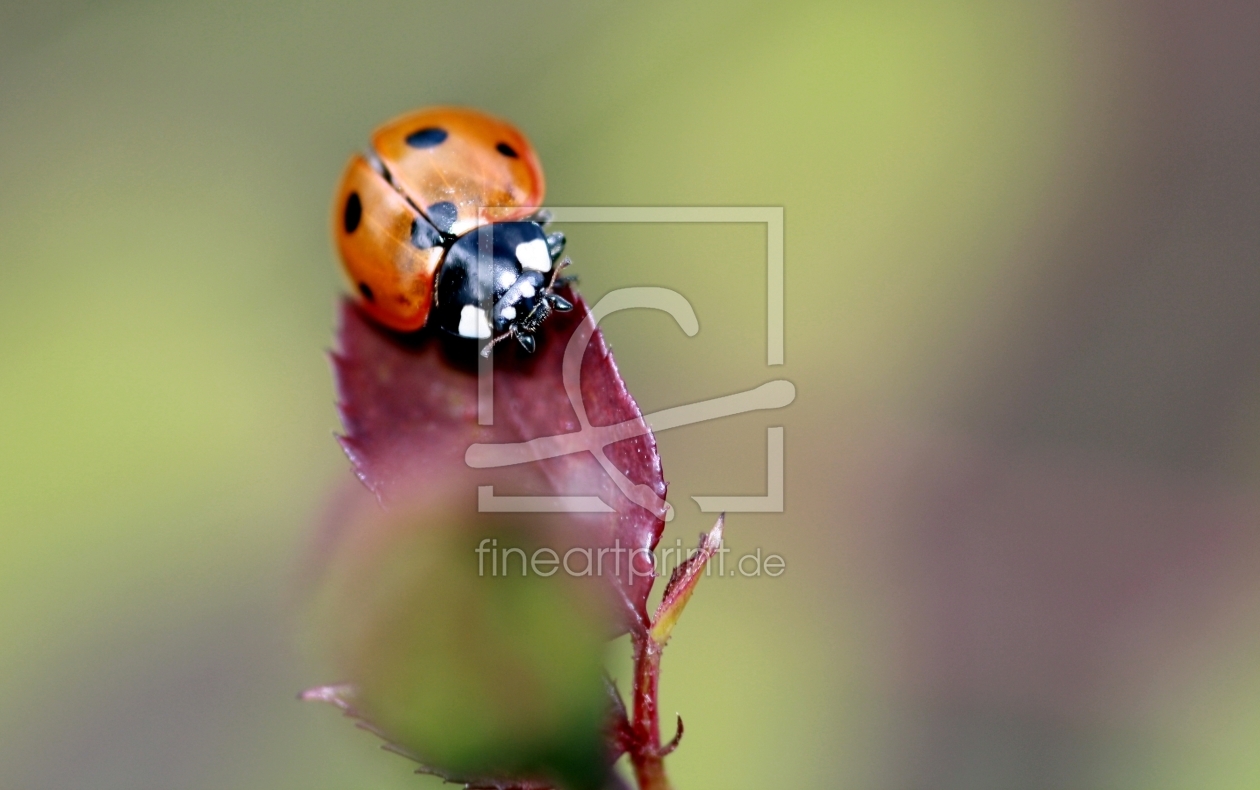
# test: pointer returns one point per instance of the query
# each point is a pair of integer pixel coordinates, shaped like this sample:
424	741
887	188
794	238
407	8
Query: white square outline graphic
771	395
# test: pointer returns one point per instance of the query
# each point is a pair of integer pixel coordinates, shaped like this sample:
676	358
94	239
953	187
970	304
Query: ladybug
439	224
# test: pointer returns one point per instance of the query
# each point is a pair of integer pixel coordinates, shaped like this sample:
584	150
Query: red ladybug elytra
411	215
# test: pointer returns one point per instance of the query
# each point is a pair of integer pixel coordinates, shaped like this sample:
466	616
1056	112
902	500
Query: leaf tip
682	583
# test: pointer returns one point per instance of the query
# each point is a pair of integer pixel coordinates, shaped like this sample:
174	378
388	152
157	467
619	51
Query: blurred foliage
476	667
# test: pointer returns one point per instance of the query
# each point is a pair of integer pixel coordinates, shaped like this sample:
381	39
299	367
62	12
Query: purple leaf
409	407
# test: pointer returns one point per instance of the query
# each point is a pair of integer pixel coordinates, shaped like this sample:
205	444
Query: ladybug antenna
497	339
556	280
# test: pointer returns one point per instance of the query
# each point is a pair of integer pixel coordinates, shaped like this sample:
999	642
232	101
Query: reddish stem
645	751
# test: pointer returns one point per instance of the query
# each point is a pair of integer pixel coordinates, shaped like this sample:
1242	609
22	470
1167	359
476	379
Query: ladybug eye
366	290
354	213
506	150
426	137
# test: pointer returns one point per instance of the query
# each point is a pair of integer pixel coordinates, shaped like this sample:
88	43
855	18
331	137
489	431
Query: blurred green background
1023	320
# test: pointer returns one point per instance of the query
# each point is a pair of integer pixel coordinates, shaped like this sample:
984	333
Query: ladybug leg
523	330
555	245
554	299
535	319
497	339
556	280
557	301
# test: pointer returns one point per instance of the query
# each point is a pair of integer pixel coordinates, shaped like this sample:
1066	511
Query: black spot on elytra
426	137
423	235
506	150
366	290
443	215
353	213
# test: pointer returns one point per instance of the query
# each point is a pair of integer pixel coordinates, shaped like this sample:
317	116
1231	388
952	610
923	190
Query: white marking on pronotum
534	255
508	313
473	322
527	290
506	279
